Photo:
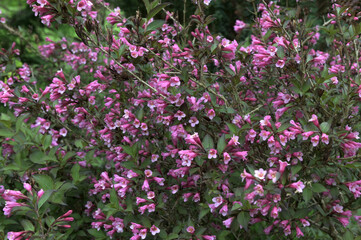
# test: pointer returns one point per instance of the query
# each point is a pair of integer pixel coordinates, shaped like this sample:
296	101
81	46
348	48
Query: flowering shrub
155	130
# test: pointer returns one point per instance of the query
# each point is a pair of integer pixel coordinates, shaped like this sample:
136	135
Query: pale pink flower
154	230
299	186
212	154
191	229
315	140
260	173
217	201
338	208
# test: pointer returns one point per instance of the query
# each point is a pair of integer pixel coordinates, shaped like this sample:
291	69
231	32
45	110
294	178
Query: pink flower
343	221
224	210
298	232
260	174
338	208
299	186
280	63
154	230
27	186
226	158
325	139
15	235
334	80
212	154
314	120
268	230
315	140
211	114
217	201
242	155
304	222
63	132
283	166
239	26
193	121
274	212
207	2
191	229
227	223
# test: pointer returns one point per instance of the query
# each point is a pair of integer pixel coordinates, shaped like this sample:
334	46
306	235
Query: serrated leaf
147	5
283	127
348	235
114	198
37	157
97	234
307	194
6	133
20	121
208	142
325	127
45	182
223	235
75	172
295	169
172	236
280	52
27	225
156	10
203	213
243	219
154	25
47	142
221	144
318	188
47	194
233	128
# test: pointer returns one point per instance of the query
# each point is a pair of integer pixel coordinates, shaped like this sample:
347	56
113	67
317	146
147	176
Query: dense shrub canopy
148	128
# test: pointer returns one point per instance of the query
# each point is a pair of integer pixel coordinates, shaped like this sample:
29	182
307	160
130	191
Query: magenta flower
299	186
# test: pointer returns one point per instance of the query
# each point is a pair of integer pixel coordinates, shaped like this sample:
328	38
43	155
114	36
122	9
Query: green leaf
37	157
307	194
203	213
145	222
140	114
97	234
208	142
325	127
221	144
6	133
45	182
283	127
319	208
75	172
47	194
131	150
172	236
236	206
223	235
243	219
233	128
27	225
295	169
147	5
154	25
318	188
156	10
114	198
47	142
348	235
20	121
280	52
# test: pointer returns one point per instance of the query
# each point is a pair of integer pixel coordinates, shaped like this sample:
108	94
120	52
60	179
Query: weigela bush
150	129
